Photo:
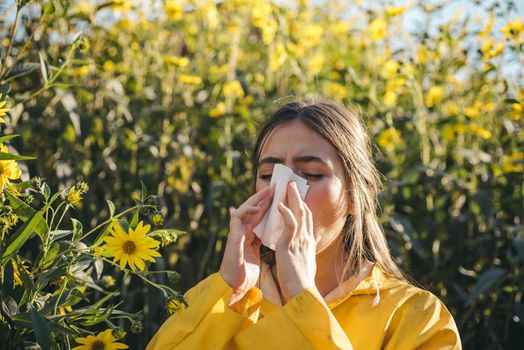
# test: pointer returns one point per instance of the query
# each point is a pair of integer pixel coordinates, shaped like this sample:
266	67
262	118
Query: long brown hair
362	234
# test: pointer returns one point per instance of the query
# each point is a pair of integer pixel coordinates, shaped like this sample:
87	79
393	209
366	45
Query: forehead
295	138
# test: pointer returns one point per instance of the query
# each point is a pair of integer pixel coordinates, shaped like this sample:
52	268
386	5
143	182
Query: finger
264	206
241	212
309	221
259	196
296	204
289	222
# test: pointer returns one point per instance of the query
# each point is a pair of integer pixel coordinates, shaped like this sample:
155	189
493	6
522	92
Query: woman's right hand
240	266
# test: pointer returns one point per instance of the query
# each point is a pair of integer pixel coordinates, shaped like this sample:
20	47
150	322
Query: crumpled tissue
271	226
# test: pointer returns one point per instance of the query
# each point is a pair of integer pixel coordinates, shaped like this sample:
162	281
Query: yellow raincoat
380	313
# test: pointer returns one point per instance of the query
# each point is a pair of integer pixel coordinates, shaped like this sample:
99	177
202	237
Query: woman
334	284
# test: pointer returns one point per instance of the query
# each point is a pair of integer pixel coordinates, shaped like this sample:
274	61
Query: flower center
129	247
98	345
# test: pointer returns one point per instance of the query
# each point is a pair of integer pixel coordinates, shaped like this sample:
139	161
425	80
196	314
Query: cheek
326	203
259	185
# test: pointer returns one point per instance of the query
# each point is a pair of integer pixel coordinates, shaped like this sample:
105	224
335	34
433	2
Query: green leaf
78	229
46	191
49	9
8	279
24	232
143	191
58	234
11	306
134	219
486	280
44	278
111	207
100	237
44	69
518	243
24	321
25	212
41	327
82	264
99	268
9	156
403	227
26	279
8	137
21	69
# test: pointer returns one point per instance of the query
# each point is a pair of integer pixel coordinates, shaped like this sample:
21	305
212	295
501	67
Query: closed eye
313	176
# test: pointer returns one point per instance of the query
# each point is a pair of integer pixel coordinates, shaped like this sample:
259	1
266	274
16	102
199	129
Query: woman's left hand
295	252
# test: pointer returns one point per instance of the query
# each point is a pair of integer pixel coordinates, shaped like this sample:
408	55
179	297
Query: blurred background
171	93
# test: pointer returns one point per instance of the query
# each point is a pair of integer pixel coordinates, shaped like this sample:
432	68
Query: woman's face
312	157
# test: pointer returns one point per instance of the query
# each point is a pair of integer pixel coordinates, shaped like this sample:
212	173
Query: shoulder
212	283
420	319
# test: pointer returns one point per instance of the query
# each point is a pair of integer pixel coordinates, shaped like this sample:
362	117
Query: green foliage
174	97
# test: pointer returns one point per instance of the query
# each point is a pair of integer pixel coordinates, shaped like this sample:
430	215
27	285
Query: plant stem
11	39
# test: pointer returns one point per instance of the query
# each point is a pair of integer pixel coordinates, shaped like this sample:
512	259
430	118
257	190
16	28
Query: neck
330	264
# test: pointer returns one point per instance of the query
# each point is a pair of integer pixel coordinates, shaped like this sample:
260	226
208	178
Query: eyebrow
300	159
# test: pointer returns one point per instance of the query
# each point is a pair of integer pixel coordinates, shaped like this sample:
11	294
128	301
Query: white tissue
271	227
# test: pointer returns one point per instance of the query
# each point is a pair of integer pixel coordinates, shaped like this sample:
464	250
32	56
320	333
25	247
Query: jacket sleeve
422	322
305	322
207	322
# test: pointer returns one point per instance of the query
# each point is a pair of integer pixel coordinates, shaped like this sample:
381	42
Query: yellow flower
190	79
3	111
84	9
121	5
488	26
262	18
81	71
233	89
393	11
246	100
434	95
9	170
218	110
102	341
517	111
480	131
131	248
16	272
390	69
107	281
489	50
514	30
174	10
64	310
74	196
424	54
390	98
316	63
176	61
13	190
451	108
389	138
109	66
509	164
311	34
174	305
158	219
278	58
378	28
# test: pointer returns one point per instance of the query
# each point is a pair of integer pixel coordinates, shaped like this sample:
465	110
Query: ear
350	210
